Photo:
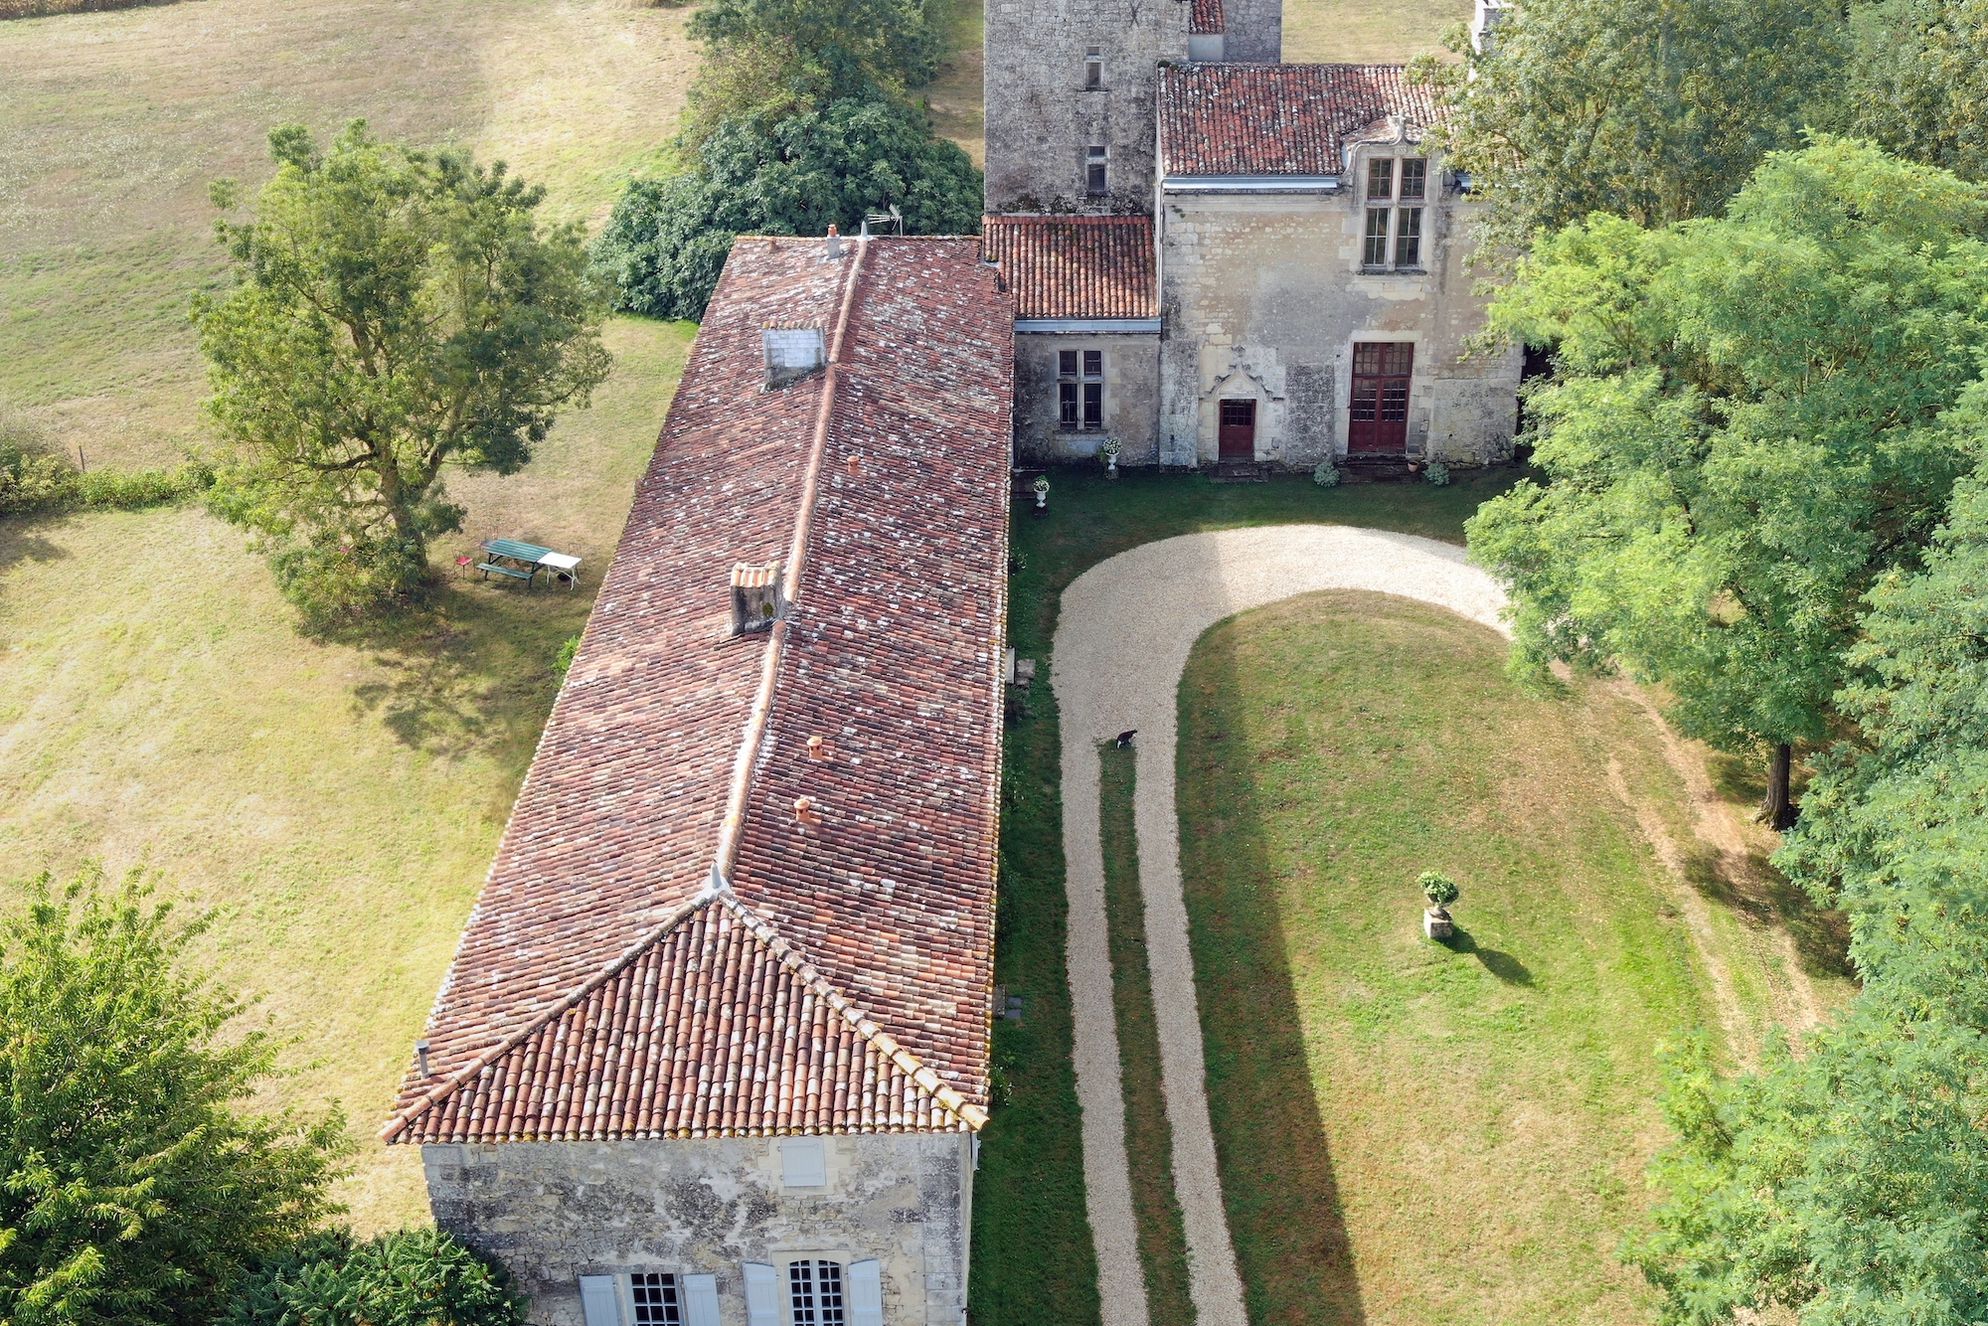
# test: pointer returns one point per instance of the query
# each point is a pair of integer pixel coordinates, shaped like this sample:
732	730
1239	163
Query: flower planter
1436	924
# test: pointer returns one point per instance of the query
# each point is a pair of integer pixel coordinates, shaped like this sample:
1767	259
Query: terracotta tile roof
1278	119
1075	266
1205	17
643	964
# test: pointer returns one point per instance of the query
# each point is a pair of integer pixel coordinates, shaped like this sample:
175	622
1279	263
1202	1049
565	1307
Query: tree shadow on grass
1278	1183
1752	889
468	668
1496	961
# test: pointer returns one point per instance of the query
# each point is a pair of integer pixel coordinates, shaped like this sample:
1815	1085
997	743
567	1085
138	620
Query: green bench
511	571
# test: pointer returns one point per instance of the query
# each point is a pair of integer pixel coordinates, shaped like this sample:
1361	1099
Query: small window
1380	180
1408	237
1094	66
1374	253
1094	405
653	1300
814	1293
1093	363
1080	388
1096	173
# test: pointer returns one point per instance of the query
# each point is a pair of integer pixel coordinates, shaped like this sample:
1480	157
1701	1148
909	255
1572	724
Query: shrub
1326	474
1438	472
337	581
418	1277
1438	888
766	174
36	478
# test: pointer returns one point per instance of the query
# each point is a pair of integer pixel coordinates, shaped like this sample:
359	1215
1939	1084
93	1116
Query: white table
563	566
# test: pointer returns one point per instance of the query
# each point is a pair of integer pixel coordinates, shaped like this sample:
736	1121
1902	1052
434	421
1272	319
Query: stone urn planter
1441	891
1041	489
1108	449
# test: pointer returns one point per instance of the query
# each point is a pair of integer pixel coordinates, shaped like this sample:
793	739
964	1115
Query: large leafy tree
769	174
135	1183
1747	431
1917	82
789	55
1653	110
1850	1183
394	313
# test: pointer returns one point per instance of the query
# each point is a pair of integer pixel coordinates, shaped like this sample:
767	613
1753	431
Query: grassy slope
1336	30
116	123
1411	1133
1148	1135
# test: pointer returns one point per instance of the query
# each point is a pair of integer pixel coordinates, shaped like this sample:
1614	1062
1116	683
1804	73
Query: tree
417	1277
793	55
134	1182
1918	81
763	174
394	313
1850	1183
1747	431
1652	112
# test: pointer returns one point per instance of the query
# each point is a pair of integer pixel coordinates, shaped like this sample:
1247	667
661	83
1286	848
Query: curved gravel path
1122	640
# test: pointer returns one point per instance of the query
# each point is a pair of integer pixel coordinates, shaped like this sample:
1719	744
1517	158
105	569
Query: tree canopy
1917	82
772	174
135	1183
416	1277
1848	1183
1749	427
394	313
1655	112
794	54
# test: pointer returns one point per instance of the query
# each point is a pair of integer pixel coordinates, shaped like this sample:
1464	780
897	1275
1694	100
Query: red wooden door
1236	438
1379	423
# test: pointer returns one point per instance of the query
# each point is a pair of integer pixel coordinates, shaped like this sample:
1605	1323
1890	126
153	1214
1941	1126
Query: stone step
1240	471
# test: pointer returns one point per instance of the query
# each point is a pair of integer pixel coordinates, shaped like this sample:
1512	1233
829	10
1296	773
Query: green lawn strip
1148	1136
1409	1131
1033	1260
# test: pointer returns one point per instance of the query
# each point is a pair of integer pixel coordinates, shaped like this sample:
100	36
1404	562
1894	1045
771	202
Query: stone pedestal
1436	924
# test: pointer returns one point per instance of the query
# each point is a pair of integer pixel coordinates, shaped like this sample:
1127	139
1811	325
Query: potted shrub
1041	489
1441	891
1108	452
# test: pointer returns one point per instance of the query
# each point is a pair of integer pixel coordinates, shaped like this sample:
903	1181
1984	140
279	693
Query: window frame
677	1307
1093	68
818	1311
1393	226
1081	374
1097	170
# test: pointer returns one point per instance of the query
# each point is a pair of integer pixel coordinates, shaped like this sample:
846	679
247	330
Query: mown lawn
117	122
1411	1132
338	803
1342	31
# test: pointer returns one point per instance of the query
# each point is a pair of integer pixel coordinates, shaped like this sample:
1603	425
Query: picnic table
523	561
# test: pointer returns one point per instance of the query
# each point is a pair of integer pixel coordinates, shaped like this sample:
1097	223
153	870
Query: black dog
1125	737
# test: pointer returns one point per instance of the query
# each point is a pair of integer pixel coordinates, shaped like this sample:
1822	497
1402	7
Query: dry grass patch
116	123
338	803
1358	33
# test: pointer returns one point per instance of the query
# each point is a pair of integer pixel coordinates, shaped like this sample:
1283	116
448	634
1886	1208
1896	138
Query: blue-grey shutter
700	1300
762	1295
866	1293
600	1304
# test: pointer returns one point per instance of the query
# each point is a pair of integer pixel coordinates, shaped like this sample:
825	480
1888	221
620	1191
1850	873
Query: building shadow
1279	1187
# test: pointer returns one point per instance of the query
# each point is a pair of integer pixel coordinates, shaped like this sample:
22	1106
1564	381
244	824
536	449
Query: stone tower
1071	86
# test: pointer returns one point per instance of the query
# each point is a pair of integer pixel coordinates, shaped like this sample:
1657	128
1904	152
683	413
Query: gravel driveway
1124	634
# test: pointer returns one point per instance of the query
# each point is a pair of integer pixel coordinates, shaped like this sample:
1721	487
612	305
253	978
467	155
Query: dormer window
756	599
1397	192
791	354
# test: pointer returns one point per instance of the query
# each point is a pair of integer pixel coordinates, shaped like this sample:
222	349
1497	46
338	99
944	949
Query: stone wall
553	1211
1255	32
1040	117
1131	398
1263	298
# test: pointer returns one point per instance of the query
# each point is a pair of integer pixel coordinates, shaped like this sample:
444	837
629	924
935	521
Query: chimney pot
855	466
805	812
818	748
421	1057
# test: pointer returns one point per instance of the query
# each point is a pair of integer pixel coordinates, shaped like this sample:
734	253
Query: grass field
1335	30
1412	1132
117	122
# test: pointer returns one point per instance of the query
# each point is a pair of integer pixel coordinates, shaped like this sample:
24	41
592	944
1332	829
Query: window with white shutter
866	1293
600	1304
700	1300
762	1286
654	1300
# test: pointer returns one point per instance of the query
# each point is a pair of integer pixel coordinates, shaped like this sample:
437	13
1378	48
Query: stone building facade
714	1048
1310	255
608	1219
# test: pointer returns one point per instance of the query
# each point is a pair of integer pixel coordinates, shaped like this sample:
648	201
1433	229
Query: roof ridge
406	1115
790	956
747	760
